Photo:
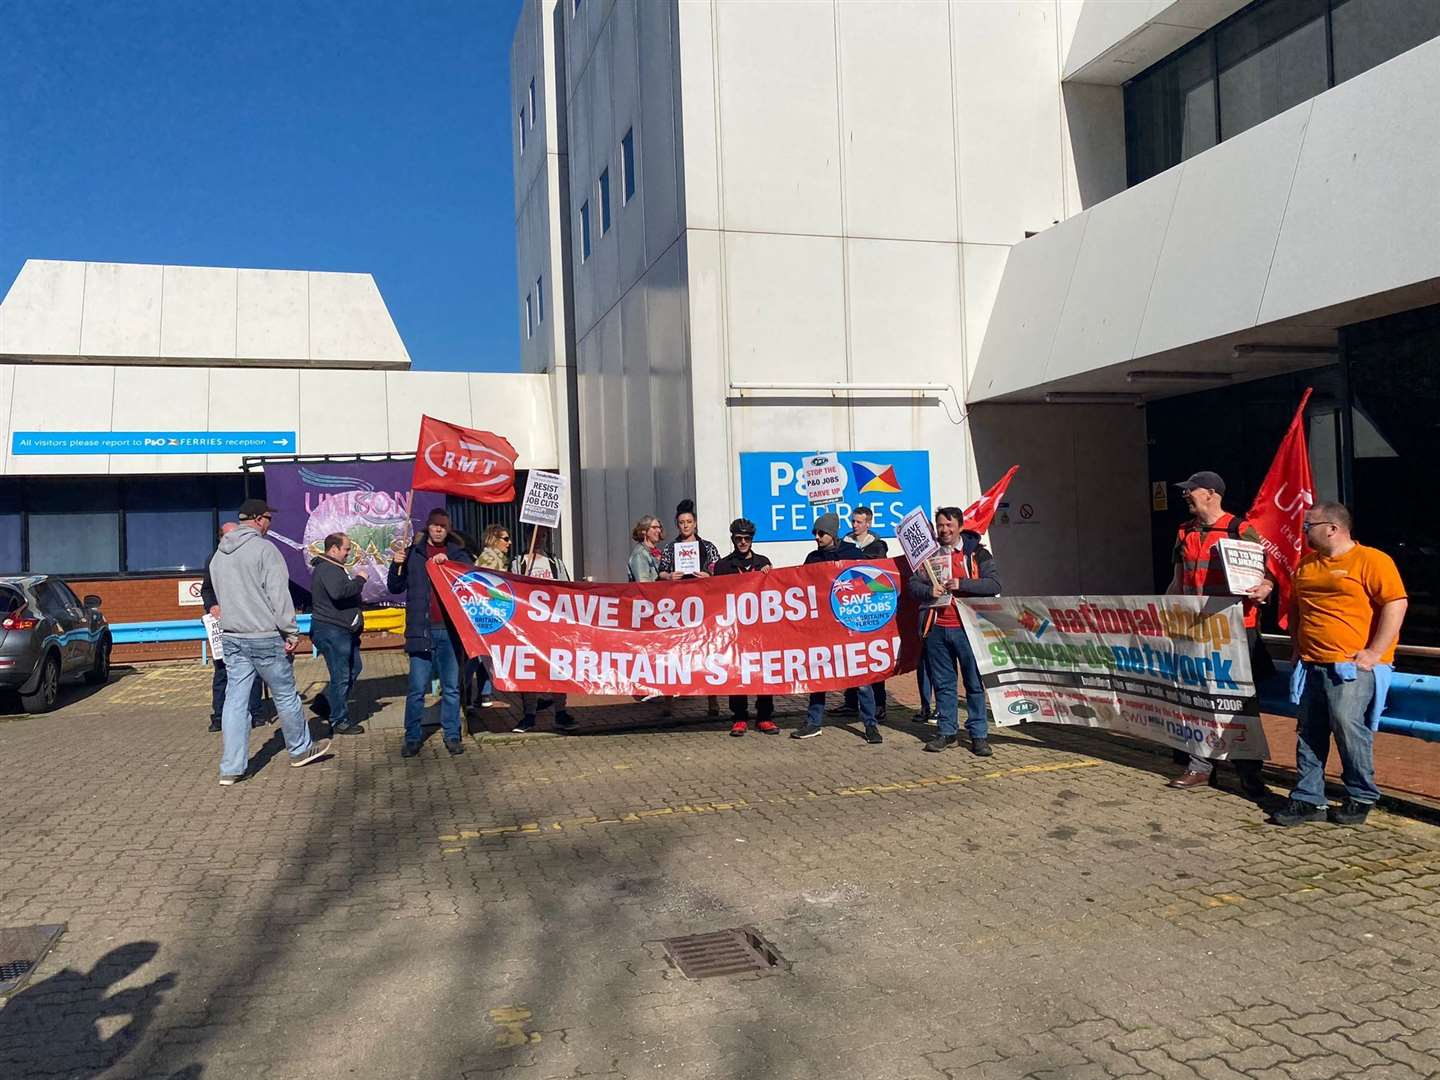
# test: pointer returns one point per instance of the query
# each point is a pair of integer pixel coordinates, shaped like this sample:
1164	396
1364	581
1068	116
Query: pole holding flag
1278	512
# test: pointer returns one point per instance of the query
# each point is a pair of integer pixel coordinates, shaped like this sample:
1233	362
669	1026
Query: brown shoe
1190	779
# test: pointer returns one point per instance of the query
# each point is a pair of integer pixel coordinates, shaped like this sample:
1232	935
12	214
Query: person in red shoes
744	559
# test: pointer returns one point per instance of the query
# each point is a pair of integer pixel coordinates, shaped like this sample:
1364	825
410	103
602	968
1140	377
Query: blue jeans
922	684
1332	707
945	646
440	662
218	682
341	650
865	699
245	660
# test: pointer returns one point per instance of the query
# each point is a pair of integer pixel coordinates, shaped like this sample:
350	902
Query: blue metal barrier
1412	707
145	633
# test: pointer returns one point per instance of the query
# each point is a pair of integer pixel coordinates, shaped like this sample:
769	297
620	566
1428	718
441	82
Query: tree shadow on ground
55	1024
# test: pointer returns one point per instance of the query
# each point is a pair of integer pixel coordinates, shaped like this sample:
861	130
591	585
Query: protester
218	675
540	564
530	704
867	546
252	586
687	525
744	559
829	548
430	640
336	620
495	554
962	567
644	564
1200	571
1347	606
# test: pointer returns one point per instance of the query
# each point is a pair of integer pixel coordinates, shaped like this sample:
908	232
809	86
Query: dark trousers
764	707
852	698
218	681
341	650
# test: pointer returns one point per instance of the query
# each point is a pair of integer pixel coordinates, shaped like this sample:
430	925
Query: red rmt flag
477	465
1278	512
979	514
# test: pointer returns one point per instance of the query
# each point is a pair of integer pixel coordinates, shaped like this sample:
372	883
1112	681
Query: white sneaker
317	750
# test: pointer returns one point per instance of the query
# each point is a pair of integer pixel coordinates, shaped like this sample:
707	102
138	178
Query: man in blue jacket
430	640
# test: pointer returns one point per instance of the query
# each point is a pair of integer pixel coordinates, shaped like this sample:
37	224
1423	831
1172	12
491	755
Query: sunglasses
1312	524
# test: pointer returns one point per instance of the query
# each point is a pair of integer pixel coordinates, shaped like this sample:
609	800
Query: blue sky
353	135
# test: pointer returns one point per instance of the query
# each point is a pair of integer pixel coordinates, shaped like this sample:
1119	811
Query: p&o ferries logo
865	598
488	602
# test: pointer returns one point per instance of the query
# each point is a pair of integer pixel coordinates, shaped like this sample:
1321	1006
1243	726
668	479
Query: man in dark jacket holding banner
962	567
434	650
336	620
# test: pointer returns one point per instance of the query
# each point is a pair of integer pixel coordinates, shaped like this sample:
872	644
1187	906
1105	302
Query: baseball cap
827	523
251	509
1203	480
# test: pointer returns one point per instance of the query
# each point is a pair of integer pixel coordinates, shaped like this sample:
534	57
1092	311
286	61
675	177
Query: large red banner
795	630
1278	512
462	461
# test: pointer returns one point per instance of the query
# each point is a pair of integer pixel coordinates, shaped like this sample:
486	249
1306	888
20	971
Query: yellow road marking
511	1021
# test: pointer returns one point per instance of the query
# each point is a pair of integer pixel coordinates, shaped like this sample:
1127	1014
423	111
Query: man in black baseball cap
744	559
257	511
1203	481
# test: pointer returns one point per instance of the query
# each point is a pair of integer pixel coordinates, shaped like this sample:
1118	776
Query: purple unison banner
371	501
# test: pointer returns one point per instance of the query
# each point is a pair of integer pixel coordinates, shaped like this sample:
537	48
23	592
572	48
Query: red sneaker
739	728
769	727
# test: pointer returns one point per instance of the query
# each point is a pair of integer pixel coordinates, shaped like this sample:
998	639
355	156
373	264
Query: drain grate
21	950
724	952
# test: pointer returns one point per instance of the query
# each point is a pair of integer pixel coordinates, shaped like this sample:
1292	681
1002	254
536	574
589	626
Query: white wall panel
443	395
7	397
898	115
1361	215
904	311
1006	86
342	411
785	307
1222	235
780	137
60	398
699	120
348	320
43	309
983	266
258	399
198	314
122	310
521	408
710	371
161	399
273	315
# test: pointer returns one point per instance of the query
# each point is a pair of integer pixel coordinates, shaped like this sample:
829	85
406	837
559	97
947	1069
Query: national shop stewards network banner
1171	669
790	631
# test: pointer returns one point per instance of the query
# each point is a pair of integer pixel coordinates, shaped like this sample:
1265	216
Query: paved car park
1052	911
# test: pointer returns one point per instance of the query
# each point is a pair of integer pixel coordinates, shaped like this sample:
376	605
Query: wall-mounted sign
190	592
773	495
152	442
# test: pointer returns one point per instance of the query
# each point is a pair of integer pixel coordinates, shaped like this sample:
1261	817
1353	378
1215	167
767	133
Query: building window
532	103
584	231
604	201
74	527
169	524
529	319
522	130
539	299
575	9
627	166
1264	59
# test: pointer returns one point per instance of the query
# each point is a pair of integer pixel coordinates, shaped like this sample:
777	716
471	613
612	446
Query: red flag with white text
979	514
462	461
1278	512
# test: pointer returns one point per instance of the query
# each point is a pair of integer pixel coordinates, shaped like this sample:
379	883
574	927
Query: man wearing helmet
743	559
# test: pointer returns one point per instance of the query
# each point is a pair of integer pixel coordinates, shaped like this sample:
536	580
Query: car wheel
99	675
47	690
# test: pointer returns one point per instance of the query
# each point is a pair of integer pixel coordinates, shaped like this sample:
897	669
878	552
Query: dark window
540	299
55	599
11	524
1170	112
532	103
74	527
169	524
1369	32
628	179
10	600
604	201
584	231
1270	59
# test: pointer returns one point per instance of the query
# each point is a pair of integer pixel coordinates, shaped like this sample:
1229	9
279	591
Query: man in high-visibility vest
1200	571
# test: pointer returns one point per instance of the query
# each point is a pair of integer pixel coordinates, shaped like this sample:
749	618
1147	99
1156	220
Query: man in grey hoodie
257	618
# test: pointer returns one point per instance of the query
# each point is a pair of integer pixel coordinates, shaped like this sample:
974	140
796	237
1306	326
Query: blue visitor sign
152	442
772	493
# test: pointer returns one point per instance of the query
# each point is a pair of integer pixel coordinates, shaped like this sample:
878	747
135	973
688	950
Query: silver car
48	637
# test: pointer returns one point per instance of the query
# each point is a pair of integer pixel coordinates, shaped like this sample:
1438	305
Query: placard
824	478
917	540
544	495
687	557
1244	562
214	636
190	592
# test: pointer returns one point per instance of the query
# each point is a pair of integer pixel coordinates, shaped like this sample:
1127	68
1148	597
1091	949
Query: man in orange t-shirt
1348	603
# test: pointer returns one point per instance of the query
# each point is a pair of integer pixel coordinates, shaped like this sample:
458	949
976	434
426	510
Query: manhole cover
724	952
21	950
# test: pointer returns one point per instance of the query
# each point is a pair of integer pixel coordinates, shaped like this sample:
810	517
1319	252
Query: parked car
48	637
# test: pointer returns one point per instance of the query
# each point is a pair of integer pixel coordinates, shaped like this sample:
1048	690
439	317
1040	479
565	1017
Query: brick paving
1051	912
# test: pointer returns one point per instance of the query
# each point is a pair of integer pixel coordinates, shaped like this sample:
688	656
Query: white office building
1117	236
